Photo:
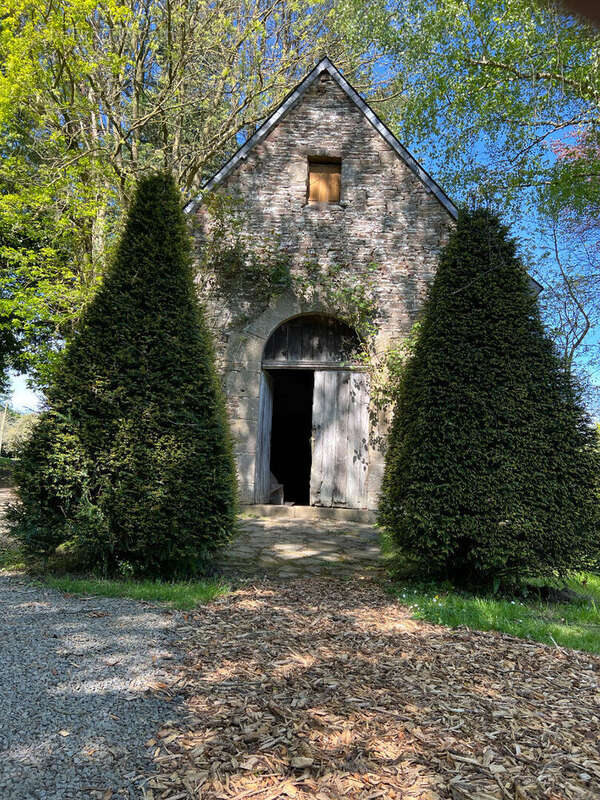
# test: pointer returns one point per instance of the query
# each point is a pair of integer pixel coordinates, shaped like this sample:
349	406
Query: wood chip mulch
328	689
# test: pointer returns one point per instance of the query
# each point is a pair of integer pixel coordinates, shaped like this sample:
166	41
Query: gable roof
325	65
290	101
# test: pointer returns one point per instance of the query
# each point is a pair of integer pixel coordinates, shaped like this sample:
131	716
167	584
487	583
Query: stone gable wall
385	217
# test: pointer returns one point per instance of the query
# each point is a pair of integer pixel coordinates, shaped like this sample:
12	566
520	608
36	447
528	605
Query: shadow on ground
290	547
326	689
80	692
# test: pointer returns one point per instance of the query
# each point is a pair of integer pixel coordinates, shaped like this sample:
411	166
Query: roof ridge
289	101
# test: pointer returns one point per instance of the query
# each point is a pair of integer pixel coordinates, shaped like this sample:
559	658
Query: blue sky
21	397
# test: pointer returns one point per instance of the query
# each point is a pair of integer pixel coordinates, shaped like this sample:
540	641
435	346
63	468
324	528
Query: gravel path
76	697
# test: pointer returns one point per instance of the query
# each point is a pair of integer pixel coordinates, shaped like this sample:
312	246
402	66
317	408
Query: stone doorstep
243	554
300	549
311	512
299	540
262	568
319	540
286	549
286	557
324	564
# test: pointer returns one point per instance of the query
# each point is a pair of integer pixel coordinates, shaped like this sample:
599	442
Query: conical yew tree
492	466
132	463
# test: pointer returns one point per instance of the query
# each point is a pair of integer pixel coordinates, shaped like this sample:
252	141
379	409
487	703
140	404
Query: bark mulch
322	688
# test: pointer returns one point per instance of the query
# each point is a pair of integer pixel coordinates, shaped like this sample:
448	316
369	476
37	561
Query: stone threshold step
310	512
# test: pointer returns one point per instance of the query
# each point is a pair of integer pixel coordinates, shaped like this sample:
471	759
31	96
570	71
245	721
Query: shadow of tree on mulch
327	689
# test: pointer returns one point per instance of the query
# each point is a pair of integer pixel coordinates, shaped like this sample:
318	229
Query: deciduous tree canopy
501	100
94	95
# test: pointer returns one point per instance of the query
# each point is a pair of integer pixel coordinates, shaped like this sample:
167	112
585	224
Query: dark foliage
492	466
133	464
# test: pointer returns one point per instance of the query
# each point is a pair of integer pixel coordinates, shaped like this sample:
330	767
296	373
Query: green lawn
575	624
177	594
183	595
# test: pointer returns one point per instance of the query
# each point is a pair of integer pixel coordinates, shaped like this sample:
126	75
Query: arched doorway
313	416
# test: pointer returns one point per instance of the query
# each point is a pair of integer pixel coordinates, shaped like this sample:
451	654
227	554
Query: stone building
324	189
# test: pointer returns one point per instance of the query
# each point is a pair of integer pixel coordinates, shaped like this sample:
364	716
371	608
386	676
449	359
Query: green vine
343	292
387	371
232	264
385	374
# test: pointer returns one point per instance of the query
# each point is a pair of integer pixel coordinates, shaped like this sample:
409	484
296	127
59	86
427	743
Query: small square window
324	180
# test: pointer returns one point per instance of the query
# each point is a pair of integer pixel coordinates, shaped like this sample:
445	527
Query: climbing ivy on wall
233	263
342	291
387	370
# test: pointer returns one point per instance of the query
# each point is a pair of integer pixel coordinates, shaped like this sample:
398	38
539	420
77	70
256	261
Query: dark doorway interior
291	432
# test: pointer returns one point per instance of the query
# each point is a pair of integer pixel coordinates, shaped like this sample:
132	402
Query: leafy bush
17	429
132	465
7	466
492	466
53	479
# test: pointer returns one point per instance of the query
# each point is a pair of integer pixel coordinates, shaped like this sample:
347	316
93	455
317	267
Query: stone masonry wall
385	216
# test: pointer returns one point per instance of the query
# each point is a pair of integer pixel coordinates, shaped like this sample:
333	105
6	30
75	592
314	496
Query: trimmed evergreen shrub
133	463
52	476
492	464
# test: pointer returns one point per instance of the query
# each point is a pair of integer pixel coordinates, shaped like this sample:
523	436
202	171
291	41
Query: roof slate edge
325	65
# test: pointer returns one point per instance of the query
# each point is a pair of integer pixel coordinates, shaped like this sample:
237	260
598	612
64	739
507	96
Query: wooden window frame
315	161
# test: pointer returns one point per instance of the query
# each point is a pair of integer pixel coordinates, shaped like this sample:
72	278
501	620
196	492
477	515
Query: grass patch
183	595
575	624
54	572
11	556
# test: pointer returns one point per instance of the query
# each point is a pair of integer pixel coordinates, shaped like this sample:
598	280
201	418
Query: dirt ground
326	688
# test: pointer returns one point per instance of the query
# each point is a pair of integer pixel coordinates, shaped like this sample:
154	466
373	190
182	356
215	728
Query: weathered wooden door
262	474
340	439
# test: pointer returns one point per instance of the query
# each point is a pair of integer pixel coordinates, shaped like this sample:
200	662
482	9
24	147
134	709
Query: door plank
340	439
359	447
340	459
328	417
316	468
294	349
262	473
353	435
